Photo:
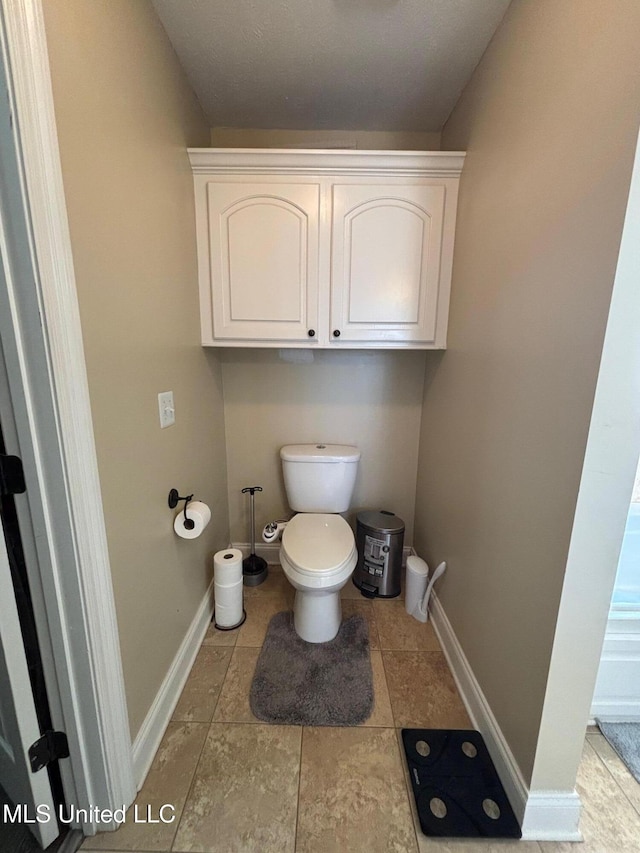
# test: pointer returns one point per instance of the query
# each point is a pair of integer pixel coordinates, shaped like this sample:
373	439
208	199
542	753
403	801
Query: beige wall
549	121
238	137
125	115
368	398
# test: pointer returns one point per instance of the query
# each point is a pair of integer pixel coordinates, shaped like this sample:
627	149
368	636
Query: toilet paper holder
174	497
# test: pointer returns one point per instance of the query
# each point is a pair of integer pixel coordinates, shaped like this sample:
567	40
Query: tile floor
238	784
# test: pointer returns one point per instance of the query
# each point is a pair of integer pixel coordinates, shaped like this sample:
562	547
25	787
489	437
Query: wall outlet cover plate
166	409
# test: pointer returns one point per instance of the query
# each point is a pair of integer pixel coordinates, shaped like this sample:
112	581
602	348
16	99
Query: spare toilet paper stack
227	588
197	512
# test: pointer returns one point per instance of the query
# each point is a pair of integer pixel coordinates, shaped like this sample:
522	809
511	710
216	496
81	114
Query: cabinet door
263	255
387	241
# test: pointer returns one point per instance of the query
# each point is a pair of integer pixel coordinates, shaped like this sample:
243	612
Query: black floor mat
456	787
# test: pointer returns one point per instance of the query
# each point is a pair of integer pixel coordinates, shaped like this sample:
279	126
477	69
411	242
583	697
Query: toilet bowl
318	556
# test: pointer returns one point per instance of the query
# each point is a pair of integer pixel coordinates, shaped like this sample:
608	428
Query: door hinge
11	475
48	748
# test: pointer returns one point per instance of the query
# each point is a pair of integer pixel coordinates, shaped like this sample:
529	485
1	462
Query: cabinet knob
312	333
336	333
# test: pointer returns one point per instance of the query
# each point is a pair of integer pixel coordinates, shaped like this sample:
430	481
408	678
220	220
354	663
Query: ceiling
329	64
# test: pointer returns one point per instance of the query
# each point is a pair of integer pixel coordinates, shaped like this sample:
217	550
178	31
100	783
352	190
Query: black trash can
379	537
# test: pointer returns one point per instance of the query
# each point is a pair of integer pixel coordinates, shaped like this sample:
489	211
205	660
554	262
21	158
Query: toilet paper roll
227	596
197	512
228	615
227	588
227	566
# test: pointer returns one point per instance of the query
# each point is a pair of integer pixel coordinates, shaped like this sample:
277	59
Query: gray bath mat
313	684
625	739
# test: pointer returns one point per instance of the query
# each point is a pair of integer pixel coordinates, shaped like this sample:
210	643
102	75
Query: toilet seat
318	544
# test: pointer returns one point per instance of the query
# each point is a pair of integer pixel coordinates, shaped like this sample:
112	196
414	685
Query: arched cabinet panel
263	258
386	261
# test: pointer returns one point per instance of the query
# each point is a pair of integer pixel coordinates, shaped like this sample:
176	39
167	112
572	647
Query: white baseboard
552	816
614	712
617	692
480	712
153	728
543	815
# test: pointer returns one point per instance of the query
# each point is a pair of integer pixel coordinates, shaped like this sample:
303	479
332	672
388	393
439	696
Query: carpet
456	787
625	739
313	684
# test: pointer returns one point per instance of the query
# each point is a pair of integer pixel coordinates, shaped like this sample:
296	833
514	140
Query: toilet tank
319	477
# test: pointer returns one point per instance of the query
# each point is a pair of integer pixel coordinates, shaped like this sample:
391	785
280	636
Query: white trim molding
276	161
155	723
602	506
543	815
552	816
480	711
52	385
617	693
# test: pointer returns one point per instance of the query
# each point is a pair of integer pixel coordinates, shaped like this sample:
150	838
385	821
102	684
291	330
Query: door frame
608	473
42	340
48	368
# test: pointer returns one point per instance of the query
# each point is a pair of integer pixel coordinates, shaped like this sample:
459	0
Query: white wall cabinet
325	249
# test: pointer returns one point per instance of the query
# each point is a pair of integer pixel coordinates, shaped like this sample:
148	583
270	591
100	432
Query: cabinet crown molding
442	164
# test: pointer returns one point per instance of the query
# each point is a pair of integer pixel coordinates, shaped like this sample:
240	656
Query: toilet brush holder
416	580
254	568
419	587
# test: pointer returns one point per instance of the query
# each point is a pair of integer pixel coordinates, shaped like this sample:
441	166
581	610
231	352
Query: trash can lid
381	520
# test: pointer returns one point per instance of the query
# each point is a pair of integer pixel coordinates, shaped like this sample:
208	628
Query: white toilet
318	553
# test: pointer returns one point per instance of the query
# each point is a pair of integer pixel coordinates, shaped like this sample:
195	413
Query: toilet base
317	616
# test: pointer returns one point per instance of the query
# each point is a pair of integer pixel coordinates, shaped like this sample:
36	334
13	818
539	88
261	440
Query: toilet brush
254	568
421	612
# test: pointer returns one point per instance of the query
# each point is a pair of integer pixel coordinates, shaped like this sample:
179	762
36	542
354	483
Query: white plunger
421	612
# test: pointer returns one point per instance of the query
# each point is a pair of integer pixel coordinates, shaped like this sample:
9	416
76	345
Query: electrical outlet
166	408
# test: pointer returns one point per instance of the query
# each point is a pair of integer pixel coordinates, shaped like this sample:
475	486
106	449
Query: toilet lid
318	543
